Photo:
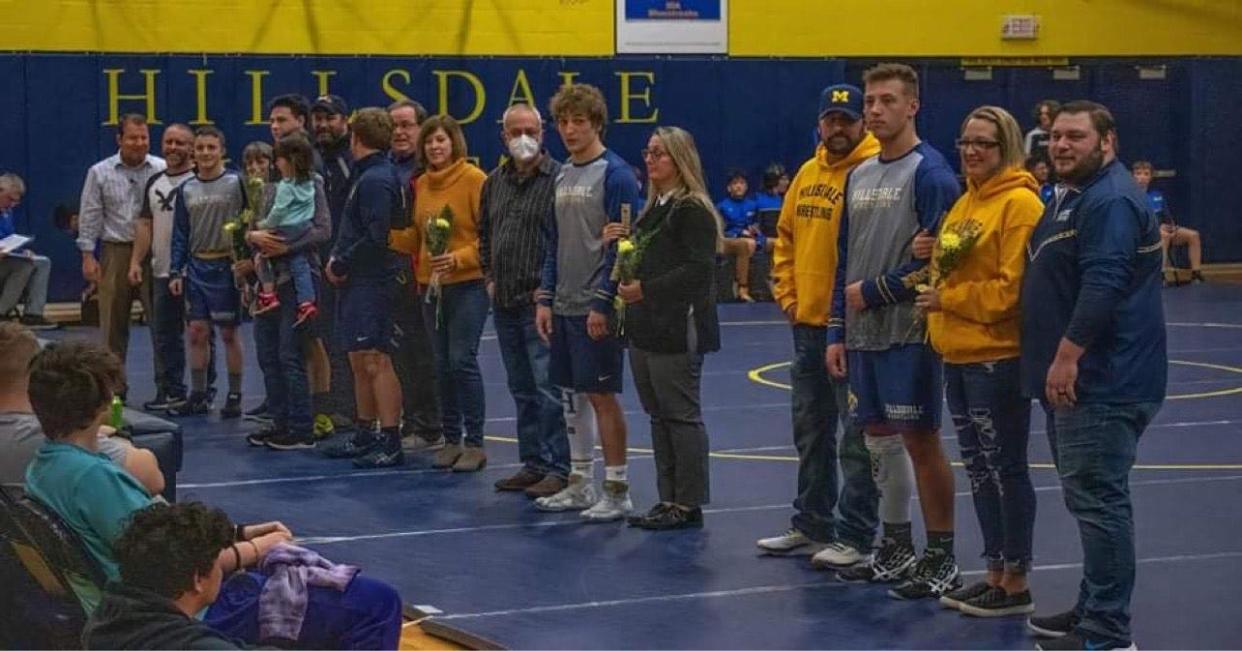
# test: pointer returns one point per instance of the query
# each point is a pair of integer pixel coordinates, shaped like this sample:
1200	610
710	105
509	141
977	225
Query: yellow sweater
459	186
804	259
978	320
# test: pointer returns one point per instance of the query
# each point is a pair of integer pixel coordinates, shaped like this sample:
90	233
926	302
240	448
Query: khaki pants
116	296
740	248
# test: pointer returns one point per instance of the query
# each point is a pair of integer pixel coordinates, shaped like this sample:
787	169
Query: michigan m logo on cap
840	96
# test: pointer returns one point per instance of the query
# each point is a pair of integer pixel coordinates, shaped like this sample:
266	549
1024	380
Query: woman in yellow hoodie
972	321
455	317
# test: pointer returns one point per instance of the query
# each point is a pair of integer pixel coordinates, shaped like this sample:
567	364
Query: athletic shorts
364	315
901	387
210	293
581	363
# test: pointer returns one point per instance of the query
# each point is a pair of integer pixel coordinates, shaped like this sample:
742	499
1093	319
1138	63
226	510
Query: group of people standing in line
1056	303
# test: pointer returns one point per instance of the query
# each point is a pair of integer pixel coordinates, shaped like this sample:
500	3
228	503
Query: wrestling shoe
578	495
232	406
889	564
614	505
934	575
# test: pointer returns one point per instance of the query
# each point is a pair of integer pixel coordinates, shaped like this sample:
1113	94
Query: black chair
40	606
163	438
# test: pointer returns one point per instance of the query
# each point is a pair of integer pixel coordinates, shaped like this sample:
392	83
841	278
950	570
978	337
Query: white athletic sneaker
613	506
836	556
578	495
790	543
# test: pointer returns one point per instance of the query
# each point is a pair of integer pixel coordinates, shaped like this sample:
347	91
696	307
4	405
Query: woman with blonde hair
458	306
670	319
973	322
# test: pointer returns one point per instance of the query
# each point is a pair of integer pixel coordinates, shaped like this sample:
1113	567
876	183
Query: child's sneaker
266	302
306	311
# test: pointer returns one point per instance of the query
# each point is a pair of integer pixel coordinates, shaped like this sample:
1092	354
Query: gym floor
496	567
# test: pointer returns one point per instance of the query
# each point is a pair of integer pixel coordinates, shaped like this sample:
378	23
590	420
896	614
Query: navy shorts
901	387
364	315
210	292
581	363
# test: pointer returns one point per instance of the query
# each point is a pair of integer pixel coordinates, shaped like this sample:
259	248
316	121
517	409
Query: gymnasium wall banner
672	27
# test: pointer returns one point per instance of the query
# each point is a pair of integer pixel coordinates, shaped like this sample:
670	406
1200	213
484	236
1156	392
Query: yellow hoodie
978	320
460	186
804	259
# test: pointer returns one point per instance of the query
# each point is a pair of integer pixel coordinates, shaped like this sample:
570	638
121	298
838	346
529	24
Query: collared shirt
514	213
112	199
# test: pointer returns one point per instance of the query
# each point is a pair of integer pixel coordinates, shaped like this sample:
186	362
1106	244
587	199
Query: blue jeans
542	442
993	422
1093	447
819	403
463	311
279	349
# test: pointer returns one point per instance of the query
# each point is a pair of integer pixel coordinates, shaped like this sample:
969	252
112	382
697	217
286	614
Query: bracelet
236	558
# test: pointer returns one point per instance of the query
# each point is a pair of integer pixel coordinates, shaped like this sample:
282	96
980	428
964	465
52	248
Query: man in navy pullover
1093	354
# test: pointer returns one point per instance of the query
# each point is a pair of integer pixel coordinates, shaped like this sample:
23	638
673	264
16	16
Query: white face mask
523	147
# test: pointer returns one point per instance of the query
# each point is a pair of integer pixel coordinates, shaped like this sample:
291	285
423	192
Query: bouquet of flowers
629	255
437	233
952	246
236	227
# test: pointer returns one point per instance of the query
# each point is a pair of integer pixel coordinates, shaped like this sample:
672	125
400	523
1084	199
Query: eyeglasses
981	145
653	154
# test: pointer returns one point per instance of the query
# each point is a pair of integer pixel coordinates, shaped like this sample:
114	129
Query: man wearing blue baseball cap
804	268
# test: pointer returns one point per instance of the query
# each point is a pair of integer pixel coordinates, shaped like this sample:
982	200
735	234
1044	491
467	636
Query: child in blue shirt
1171	234
292	209
1038	167
742	236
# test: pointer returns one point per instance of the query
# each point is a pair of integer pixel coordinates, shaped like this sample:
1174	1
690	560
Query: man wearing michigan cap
804	268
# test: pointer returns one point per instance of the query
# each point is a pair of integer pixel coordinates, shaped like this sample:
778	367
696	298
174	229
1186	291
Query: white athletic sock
580	426
616	473
894	476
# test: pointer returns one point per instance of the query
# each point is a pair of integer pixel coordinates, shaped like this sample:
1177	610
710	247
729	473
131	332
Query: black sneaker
672	517
290	441
352	448
38	322
260	437
1195	277
1057	625
258	414
660	507
891	563
232	406
1073	640
955	598
935	575
160	402
196	405
998	603
381	457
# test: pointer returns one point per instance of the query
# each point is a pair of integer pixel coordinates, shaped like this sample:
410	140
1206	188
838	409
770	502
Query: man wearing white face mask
517	201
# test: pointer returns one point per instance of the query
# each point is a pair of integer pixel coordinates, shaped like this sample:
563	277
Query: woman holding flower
973	322
444	237
670	320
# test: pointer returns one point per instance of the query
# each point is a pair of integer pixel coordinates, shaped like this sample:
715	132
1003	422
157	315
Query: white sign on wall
672	27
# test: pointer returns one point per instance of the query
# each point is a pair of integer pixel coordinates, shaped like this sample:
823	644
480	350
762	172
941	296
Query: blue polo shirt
1093	277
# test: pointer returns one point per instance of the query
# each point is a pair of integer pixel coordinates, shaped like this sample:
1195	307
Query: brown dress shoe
548	486
524	479
472	459
447	456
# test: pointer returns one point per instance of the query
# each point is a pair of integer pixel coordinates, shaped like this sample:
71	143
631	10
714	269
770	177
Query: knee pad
579	425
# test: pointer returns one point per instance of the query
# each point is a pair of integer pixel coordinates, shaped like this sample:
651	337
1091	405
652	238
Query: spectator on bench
71	387
742	236
1038	167
21	436
22	273
1171	234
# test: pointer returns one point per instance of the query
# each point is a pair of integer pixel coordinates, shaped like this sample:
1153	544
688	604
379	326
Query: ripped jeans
993	424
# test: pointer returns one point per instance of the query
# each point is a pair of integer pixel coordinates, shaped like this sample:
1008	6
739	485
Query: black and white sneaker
258	414
1058	625
290	441
891	563
998	603
198	404
955	598
260	437
161	402
1072	641
381	456
935	575
232	406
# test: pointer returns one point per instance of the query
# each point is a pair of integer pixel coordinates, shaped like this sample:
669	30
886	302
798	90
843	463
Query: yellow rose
922	287
625	247
442	224
950	240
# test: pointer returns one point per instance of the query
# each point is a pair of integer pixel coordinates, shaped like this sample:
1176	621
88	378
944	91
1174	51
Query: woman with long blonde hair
670	319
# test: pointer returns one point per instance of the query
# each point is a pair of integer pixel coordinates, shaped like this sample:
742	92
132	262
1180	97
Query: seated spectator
71	387
1038	167
769	199
169	558
741	231
21	436
1171	234
1036	142
22	272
